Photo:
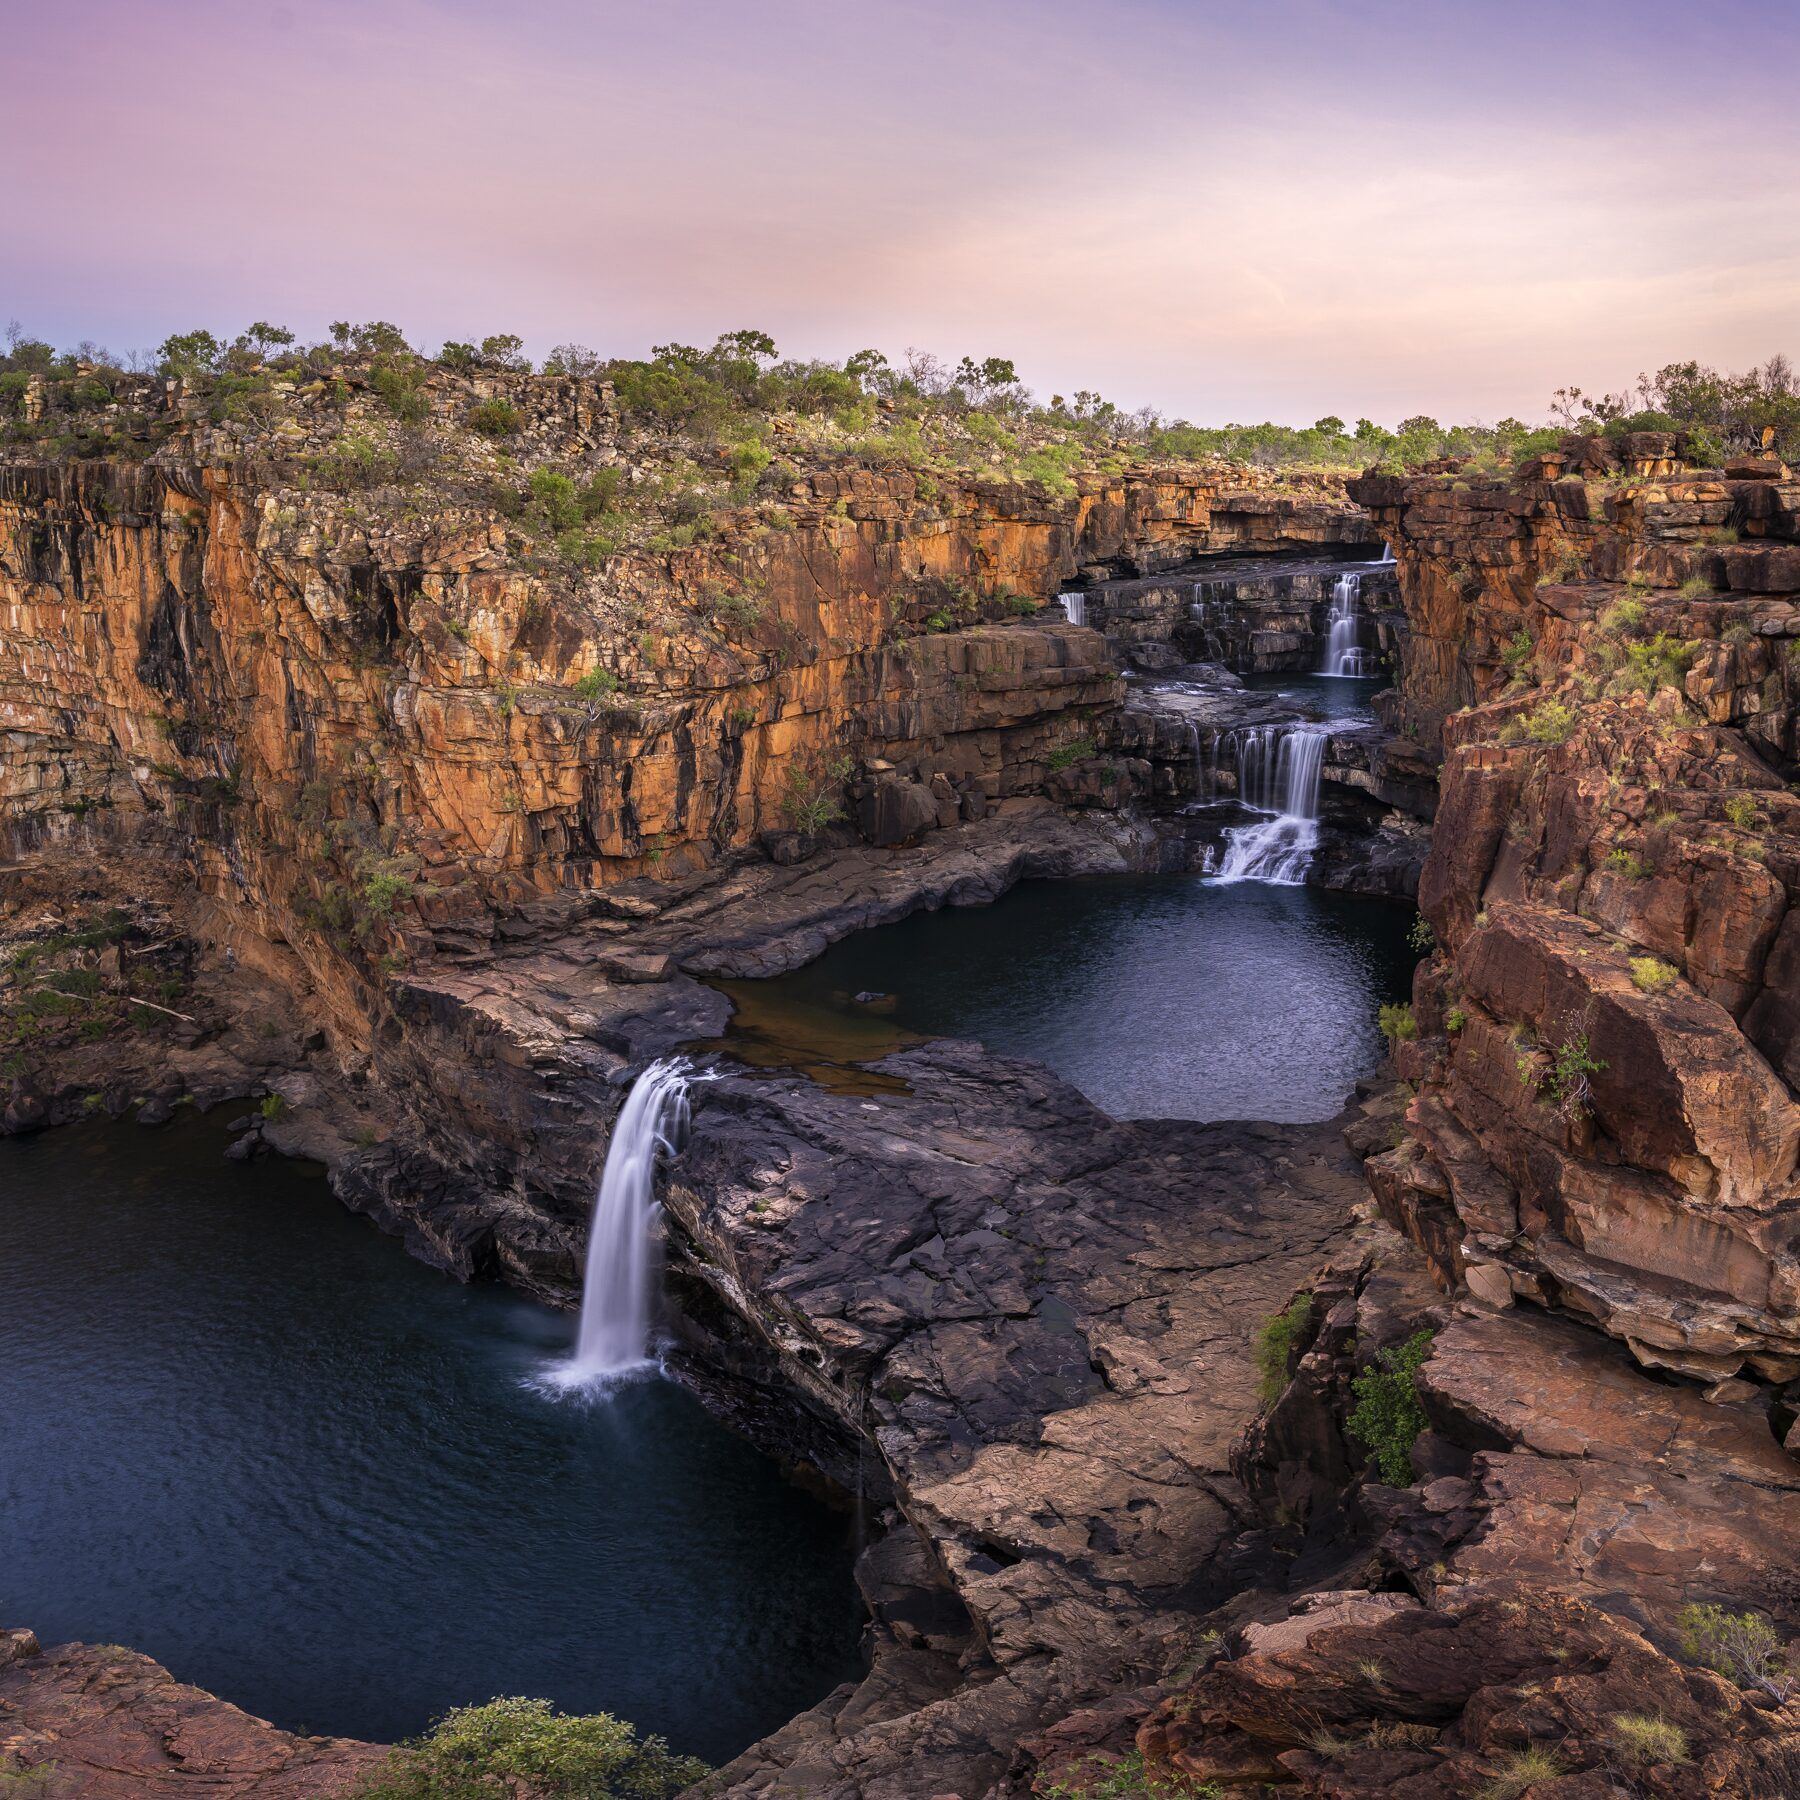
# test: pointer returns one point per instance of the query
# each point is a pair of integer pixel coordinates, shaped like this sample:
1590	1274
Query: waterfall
1074	607
619	1288
1205	750
1279	769
1343	656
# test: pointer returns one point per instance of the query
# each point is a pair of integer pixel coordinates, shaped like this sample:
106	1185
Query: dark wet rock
1042	1317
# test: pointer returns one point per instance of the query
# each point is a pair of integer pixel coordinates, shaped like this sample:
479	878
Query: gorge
1028	864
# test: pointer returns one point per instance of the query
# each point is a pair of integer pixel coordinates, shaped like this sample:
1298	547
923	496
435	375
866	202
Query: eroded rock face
1524	1595
1606	1120
105	1723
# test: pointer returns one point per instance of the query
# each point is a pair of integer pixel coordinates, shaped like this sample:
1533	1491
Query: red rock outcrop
1606	1117
104	1723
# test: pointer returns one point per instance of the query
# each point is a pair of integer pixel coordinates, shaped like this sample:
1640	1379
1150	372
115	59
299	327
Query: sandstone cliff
1606	1118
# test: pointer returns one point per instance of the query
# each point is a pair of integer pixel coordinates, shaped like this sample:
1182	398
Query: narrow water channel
242	1431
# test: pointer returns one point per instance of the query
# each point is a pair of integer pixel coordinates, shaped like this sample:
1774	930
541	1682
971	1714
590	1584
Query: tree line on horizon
721	391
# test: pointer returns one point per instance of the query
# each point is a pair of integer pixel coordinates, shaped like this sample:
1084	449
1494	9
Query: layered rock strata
1606	1118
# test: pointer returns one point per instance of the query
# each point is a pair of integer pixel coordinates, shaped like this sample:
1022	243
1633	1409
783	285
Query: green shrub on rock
516	1746
1388	1415
1397	1024
1275	1341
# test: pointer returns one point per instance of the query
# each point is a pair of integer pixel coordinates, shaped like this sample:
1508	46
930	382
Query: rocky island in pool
750	1077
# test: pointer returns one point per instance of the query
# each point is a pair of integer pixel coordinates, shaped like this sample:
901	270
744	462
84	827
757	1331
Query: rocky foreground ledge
105	1723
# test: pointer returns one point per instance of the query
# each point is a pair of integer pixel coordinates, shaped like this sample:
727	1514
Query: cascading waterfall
1343	655
1074	607
1279	770
619	1288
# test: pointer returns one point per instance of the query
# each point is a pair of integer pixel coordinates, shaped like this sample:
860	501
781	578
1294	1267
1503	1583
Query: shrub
1397	1024
554	499
1565	1074
1643	1741
595	683
401	389
1516	653
1623	862
1662	661
1275	1341
1740	809
356	461
739	610
1388	1415
272	1107
1623	618
1128	1778
1696	587
938	621
1550	723
1651	975
494	418
1740	1646
1455	1019
810	799
747	461
515	1745
1067	755
1420	935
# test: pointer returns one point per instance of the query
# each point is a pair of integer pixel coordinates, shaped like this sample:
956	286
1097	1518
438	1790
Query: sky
1232	212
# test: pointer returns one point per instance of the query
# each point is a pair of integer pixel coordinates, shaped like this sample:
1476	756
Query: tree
572	359
262	338
376	338
756	346
866	368
505	350
189	353
1329	426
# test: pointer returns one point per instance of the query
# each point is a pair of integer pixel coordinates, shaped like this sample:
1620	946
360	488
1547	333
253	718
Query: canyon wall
1607	649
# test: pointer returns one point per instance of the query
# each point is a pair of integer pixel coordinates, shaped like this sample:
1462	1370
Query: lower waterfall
1074	605
619	1288
1279	769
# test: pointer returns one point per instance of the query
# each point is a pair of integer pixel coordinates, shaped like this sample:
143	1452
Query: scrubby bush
1740	809
811	795
494	418
400	386
595	683
1743	1647
1552	722
526	1746
1397	1024
1275	1341
1518	1772
1624	862
1388	1415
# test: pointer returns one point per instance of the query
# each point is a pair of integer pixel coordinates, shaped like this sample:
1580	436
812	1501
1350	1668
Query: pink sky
1268	208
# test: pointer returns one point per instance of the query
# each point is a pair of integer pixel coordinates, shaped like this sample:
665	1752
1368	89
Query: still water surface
242	1431
1159	996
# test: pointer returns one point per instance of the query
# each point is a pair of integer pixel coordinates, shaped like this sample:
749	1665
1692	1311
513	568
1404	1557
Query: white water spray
1279	770
1074	607
619	1288
1343	655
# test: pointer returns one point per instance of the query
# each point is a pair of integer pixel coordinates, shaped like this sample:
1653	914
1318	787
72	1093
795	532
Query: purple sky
1264	208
